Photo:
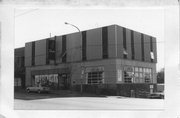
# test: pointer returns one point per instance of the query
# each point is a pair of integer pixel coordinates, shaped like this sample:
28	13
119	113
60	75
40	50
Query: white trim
152	55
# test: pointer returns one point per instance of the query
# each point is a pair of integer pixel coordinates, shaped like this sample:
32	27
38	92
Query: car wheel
39	91
28	90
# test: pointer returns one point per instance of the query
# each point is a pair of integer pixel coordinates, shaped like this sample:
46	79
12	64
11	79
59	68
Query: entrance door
32	80
65	81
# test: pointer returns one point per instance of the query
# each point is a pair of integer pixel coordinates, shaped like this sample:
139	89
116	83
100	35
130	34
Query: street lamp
82	74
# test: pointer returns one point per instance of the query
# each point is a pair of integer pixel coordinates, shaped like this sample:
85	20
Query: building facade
109	55
19	68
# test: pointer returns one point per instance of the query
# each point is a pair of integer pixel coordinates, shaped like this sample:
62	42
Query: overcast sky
35	24
107	3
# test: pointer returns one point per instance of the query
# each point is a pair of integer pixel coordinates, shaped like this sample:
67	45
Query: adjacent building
107	56
19	68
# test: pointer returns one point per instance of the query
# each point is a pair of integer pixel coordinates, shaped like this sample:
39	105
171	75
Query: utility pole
82	67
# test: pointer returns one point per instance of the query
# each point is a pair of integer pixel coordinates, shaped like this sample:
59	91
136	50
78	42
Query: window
142	46
148	75
151	48
47	80
33	53
64	48
105	42
95	77
136	69
84	45
17	82
128	74
137	74
124	44
51	49
132	44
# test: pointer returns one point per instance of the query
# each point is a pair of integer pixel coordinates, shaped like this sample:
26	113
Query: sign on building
119	74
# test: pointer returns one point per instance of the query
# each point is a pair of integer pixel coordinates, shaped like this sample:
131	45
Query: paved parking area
89	103
67	100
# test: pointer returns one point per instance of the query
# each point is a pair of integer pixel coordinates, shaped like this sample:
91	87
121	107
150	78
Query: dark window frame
142	46
33	54
105	42
124	43
64	58
151	47
47	51
51	49
84	46
132	45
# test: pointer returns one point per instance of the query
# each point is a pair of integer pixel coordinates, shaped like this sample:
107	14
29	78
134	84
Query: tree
160	76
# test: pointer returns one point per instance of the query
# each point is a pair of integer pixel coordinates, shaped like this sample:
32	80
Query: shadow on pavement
23	95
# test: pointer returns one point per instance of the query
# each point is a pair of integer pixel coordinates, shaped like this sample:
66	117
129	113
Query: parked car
38	88
159	95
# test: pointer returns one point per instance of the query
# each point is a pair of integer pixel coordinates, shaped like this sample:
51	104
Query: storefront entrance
64	81
54	81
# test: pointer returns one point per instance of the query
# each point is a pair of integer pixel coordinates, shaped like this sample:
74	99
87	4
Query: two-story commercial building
107	56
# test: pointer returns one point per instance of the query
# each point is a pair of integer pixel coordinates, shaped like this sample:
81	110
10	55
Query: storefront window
144	70
95	77
47	80
137	74
128	74
136	69
140	69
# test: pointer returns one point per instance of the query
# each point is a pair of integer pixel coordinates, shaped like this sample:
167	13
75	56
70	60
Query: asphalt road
89	103
68	100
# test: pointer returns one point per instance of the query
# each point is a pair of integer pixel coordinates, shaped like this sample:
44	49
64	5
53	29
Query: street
45	102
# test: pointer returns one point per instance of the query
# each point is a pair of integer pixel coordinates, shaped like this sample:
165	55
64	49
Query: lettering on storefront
48	80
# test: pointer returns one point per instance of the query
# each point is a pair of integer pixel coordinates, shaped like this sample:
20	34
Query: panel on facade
40	52
142	46
132	45
112	41
128	43
74	46
137	46
94	44
110	73
147	48
33	53
84	45
124	44
64	48
119	42
28	54
28	77
105	42
154	49
51	48
58	49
